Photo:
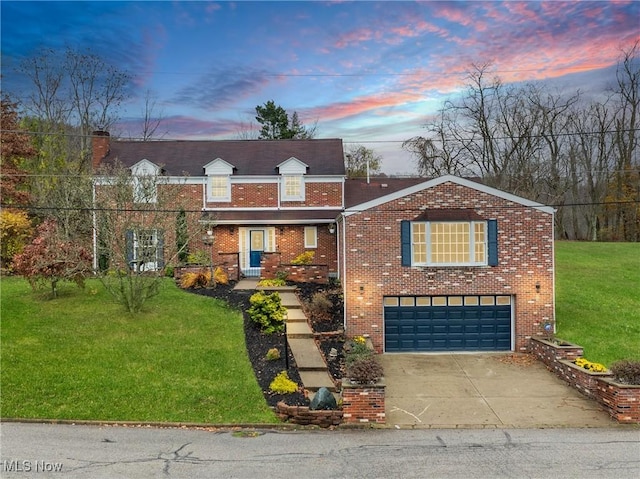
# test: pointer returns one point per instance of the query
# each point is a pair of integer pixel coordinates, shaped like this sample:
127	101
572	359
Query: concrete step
306	354
298	330
290	300
314	380
295	315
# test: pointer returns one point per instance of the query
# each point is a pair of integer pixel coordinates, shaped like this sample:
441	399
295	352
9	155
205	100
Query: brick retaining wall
363	403
621	401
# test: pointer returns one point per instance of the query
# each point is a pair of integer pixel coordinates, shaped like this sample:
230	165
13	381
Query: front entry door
256	242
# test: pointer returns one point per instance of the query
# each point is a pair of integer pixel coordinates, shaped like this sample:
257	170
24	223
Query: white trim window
449	243
219	188
145	190
310	237
292	187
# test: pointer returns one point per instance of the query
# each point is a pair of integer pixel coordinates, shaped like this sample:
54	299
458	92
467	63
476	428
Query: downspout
342	232
95	226
553	268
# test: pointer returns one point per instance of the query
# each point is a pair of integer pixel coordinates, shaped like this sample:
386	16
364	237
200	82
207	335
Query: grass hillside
82	357
598	298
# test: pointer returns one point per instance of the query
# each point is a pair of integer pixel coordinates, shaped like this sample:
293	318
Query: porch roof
266	217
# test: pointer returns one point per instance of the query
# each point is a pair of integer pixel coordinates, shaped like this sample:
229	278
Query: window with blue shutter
492	242
449	243
405	240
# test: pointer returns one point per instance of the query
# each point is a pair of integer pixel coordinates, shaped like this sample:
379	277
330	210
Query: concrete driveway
482	390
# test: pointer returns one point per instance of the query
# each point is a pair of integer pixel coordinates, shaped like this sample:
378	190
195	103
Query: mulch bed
330	336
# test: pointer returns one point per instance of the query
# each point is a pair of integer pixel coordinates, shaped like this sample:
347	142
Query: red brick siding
263	195
373	261
363	404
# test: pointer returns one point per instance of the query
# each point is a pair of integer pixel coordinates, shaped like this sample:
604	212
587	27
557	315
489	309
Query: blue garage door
447	323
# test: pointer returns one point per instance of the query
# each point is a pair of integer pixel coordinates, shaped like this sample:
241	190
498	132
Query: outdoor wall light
208	238
332	228
538	287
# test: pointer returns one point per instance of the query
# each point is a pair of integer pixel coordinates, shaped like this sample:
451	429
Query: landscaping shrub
365	370
320	306
272	282
201	279
356	350
220	276
361	363
304	258
273	354
198	257
282	384
267	311
626	371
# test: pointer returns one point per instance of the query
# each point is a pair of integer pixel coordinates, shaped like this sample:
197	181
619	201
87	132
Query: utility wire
160	140
213	212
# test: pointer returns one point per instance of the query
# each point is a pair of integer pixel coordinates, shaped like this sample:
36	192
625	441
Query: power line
201	211
160	140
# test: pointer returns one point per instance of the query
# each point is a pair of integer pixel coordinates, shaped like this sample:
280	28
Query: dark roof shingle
249	157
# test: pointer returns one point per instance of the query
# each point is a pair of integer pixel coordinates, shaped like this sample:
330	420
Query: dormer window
144	176
292	187
219	188
218	180
292	183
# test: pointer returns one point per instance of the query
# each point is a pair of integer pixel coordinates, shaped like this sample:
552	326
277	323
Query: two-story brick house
446	264
252	197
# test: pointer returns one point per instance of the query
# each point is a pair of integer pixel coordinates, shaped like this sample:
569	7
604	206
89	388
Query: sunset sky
370	73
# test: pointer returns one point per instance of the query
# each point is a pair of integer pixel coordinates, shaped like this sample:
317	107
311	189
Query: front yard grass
82	357
598	298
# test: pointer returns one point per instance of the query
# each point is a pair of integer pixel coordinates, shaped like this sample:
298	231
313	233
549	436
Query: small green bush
304	258
273	354
168	271
199	257
626	371
272	282
267	311
282	384
356	349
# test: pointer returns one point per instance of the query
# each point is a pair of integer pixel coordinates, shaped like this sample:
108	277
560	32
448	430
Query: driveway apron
482	390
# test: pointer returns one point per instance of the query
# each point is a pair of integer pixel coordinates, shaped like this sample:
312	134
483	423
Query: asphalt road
68	451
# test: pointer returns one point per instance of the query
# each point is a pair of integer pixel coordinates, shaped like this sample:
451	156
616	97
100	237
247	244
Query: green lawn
81	357
598	298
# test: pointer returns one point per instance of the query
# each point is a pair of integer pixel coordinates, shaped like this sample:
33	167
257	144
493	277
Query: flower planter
622	401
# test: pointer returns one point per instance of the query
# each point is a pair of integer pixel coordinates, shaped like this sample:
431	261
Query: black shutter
405	240
129	247
492	242
160	250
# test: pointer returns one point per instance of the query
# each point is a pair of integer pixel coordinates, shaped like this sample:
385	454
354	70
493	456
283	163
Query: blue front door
256	242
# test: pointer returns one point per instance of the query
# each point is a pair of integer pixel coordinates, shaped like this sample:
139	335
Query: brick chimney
100	144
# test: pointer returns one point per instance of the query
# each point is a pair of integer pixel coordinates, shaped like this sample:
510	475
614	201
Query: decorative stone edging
305	417
622	401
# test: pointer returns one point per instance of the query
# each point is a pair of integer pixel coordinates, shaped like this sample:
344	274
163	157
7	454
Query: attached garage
447	323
